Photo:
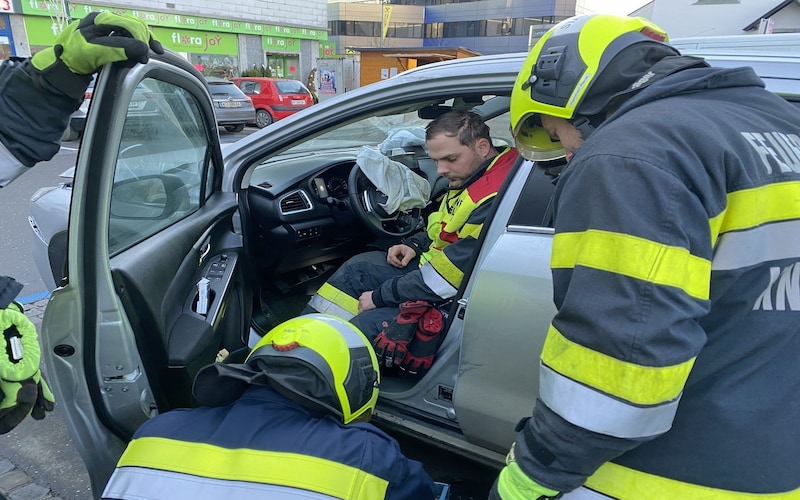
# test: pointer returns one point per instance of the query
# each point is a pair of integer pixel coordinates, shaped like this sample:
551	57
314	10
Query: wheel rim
263	118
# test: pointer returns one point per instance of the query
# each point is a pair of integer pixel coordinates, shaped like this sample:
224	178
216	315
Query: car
267	221
142	105
274	98
233	108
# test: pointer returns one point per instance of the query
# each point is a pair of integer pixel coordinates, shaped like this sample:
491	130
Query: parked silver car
267	222
233	108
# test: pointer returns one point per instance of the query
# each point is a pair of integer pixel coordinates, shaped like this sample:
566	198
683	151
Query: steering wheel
365	201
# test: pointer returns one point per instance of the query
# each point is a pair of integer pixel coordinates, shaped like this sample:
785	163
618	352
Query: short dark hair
469	127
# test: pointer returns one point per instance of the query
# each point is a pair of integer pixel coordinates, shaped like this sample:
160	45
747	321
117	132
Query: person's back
290	422
725	175
271	447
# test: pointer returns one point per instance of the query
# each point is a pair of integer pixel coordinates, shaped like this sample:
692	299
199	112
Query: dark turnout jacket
670	370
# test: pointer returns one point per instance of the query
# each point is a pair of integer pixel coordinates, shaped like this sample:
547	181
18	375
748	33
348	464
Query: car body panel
124	330
279	97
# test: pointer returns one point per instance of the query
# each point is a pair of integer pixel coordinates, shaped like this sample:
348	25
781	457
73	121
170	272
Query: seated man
429	265
291	422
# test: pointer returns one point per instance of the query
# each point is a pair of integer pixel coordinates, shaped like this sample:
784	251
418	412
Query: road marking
33	297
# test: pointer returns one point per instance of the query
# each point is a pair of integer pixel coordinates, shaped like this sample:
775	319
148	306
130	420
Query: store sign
327	50
197	42
77	11
280	44
7	6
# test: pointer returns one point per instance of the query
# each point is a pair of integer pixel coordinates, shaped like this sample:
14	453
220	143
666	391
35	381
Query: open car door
156	282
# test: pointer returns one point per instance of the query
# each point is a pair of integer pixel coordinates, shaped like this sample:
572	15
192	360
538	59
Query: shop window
222	66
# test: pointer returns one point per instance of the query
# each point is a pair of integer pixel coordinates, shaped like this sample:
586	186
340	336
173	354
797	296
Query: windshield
291	87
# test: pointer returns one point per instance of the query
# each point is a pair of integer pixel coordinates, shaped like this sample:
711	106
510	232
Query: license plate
298	102
230	104
136	105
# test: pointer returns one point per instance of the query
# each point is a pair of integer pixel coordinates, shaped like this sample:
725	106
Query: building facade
482	26
220	39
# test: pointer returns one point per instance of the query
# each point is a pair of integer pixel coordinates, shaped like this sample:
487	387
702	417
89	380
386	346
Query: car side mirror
148	197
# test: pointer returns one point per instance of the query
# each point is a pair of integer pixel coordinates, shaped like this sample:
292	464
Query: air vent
295	202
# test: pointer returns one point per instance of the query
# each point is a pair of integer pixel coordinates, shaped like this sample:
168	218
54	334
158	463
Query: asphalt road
44	450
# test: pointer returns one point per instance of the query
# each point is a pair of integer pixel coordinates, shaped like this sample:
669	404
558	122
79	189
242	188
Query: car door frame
87	315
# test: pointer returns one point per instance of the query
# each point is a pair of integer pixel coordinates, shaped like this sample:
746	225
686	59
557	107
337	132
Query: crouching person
291	422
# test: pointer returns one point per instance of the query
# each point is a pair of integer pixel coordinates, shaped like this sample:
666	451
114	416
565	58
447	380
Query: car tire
263	118
235	128
70	134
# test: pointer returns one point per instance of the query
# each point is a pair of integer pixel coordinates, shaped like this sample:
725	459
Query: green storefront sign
197	42
327	50
280	44
162	19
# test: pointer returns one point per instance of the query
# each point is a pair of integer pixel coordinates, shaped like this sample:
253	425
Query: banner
387	16
197	42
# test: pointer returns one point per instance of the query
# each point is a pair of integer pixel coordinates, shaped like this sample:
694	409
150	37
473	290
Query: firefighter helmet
562	68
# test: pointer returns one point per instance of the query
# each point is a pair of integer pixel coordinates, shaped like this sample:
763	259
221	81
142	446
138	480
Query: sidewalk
15	484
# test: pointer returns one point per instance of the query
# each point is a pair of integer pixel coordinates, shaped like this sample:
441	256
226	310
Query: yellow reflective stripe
473	230
257	466
634	257
751	207
338	297
643	385
447	270
622	482
715	225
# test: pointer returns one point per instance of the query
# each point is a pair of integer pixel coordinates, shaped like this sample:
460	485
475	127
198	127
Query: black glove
422	348
391	344
24	389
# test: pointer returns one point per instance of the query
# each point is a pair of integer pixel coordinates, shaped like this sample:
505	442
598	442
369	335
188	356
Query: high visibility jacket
445	249
263	446
670	370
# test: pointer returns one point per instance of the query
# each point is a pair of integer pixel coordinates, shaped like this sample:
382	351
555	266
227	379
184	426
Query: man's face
559	129
454	160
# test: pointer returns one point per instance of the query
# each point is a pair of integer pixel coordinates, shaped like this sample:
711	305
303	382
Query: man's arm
38	95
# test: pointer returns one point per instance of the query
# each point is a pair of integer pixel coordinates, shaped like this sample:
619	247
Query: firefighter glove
422	347
86	45
24	390
392	343
514	484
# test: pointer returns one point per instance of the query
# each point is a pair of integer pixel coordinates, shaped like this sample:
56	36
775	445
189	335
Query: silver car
233	108
266	223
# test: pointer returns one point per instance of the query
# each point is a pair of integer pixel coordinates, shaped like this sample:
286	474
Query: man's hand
365	302
400	255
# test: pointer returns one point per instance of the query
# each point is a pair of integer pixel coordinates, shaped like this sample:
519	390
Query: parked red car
274	98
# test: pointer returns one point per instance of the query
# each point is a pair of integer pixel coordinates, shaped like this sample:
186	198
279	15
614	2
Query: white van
781	42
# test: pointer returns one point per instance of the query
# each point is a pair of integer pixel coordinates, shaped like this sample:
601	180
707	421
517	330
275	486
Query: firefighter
669	369
289	422
429	265
38	95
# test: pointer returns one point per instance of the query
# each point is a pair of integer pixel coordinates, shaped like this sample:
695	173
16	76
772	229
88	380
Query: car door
156	282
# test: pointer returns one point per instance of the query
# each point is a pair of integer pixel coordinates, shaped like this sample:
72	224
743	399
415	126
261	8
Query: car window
291	87
223	90
249	87
159	176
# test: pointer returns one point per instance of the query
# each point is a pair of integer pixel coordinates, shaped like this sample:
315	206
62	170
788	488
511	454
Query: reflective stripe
447	270
771	203
138	482
473	230
331	300
436	282
634	257
598	412
641	385
622	482
761	244
10	167
257	466
584	493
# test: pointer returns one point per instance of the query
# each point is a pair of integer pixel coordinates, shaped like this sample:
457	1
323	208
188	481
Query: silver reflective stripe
10	167
324	305
600	413
584	493
139	483
436	283
741	249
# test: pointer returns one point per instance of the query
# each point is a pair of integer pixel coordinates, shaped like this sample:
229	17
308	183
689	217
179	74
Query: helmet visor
534	143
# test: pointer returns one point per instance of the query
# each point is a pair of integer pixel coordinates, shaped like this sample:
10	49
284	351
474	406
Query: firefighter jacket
670	369
451	239
27	98
263	446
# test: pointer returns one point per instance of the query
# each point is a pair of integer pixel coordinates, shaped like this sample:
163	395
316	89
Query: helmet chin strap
584	126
